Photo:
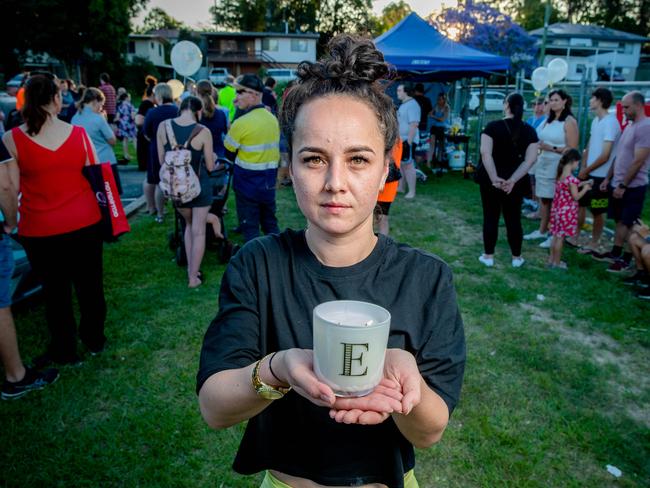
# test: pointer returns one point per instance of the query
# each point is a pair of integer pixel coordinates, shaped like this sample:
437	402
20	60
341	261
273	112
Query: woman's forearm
488	162
227	398
425	424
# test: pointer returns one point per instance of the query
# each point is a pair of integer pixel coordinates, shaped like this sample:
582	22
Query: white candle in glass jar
350	339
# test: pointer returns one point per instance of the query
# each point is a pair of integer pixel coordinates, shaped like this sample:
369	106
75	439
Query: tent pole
479	123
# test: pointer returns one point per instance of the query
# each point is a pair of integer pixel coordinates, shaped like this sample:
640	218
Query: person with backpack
186	158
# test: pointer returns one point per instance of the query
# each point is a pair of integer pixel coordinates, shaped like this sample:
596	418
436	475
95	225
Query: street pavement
131	180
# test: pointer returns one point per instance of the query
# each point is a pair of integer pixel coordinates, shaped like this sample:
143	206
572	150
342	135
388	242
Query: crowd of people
42	157
338	166
540	157
256	361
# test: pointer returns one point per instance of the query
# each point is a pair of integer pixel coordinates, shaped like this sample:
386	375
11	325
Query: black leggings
494	202
65	261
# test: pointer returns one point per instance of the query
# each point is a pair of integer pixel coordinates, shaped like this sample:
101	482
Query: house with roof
148	46
593	52
247	52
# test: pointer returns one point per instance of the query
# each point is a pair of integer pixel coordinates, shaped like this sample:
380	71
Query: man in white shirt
596	161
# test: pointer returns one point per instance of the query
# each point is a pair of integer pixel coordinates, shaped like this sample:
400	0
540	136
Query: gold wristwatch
267	392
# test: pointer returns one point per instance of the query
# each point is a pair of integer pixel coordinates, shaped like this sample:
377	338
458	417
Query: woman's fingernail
325	398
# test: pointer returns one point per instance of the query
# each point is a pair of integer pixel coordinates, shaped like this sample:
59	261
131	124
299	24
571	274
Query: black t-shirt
152	120
266	302
510	139
425	110
145	106
269	100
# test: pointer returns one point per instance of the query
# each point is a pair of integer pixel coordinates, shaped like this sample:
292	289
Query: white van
282	75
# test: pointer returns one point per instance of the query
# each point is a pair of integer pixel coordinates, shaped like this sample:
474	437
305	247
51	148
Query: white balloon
557	70
177	88
540	78
186	58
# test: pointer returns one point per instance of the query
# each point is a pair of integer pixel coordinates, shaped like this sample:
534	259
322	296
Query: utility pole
547	18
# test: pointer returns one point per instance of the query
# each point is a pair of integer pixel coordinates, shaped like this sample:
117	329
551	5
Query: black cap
251	82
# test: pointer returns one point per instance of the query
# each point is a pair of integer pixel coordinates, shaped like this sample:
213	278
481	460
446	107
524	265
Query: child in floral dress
125	120
564	211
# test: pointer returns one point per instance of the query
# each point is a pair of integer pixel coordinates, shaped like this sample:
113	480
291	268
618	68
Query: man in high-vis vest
253	142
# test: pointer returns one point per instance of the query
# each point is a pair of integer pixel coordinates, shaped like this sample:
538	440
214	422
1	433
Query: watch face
270	394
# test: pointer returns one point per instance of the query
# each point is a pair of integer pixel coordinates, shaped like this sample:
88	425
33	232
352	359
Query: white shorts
544	187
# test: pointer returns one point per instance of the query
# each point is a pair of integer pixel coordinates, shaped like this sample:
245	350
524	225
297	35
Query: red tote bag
102	181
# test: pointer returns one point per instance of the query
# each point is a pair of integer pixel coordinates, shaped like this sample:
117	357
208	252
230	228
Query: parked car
218	76
605	74
24	283
7	103
493	101
16	81
282	75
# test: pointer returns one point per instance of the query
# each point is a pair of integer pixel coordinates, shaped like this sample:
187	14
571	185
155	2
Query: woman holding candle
257	359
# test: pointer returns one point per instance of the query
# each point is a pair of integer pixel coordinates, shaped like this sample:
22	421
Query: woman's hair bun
151	80
350	59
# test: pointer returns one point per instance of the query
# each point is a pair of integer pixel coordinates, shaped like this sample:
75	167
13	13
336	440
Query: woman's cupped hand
397	392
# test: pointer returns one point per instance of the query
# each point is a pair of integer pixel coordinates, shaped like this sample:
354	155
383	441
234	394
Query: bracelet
271	368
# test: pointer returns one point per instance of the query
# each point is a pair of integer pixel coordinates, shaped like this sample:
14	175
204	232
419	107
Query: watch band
264	390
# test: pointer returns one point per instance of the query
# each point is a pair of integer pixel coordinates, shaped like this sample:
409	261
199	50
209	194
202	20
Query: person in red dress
564	211
59	221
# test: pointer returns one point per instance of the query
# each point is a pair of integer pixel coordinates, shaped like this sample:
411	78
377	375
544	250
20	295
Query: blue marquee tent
415	47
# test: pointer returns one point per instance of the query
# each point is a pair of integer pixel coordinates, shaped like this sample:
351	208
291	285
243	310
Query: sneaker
33	380
518	262
644	294
536	234
637	279
562	265
619	266
605	257
489	262
547	243
586	251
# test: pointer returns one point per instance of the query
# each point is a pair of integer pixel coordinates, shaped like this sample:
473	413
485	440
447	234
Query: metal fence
580	91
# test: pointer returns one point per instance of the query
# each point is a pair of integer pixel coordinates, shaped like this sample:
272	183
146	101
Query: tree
158	19
328	17
485	28
391	14
92	34
243	15
394	12
338	16
626	15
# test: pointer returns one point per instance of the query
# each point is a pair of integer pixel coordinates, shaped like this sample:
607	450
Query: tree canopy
391	14
158	19
92	33
485	28
328	17
626	15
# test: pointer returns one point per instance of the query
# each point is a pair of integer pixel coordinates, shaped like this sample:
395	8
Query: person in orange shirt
387	195
20	98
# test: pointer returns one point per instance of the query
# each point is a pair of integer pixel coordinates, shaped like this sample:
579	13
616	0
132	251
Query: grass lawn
555	389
